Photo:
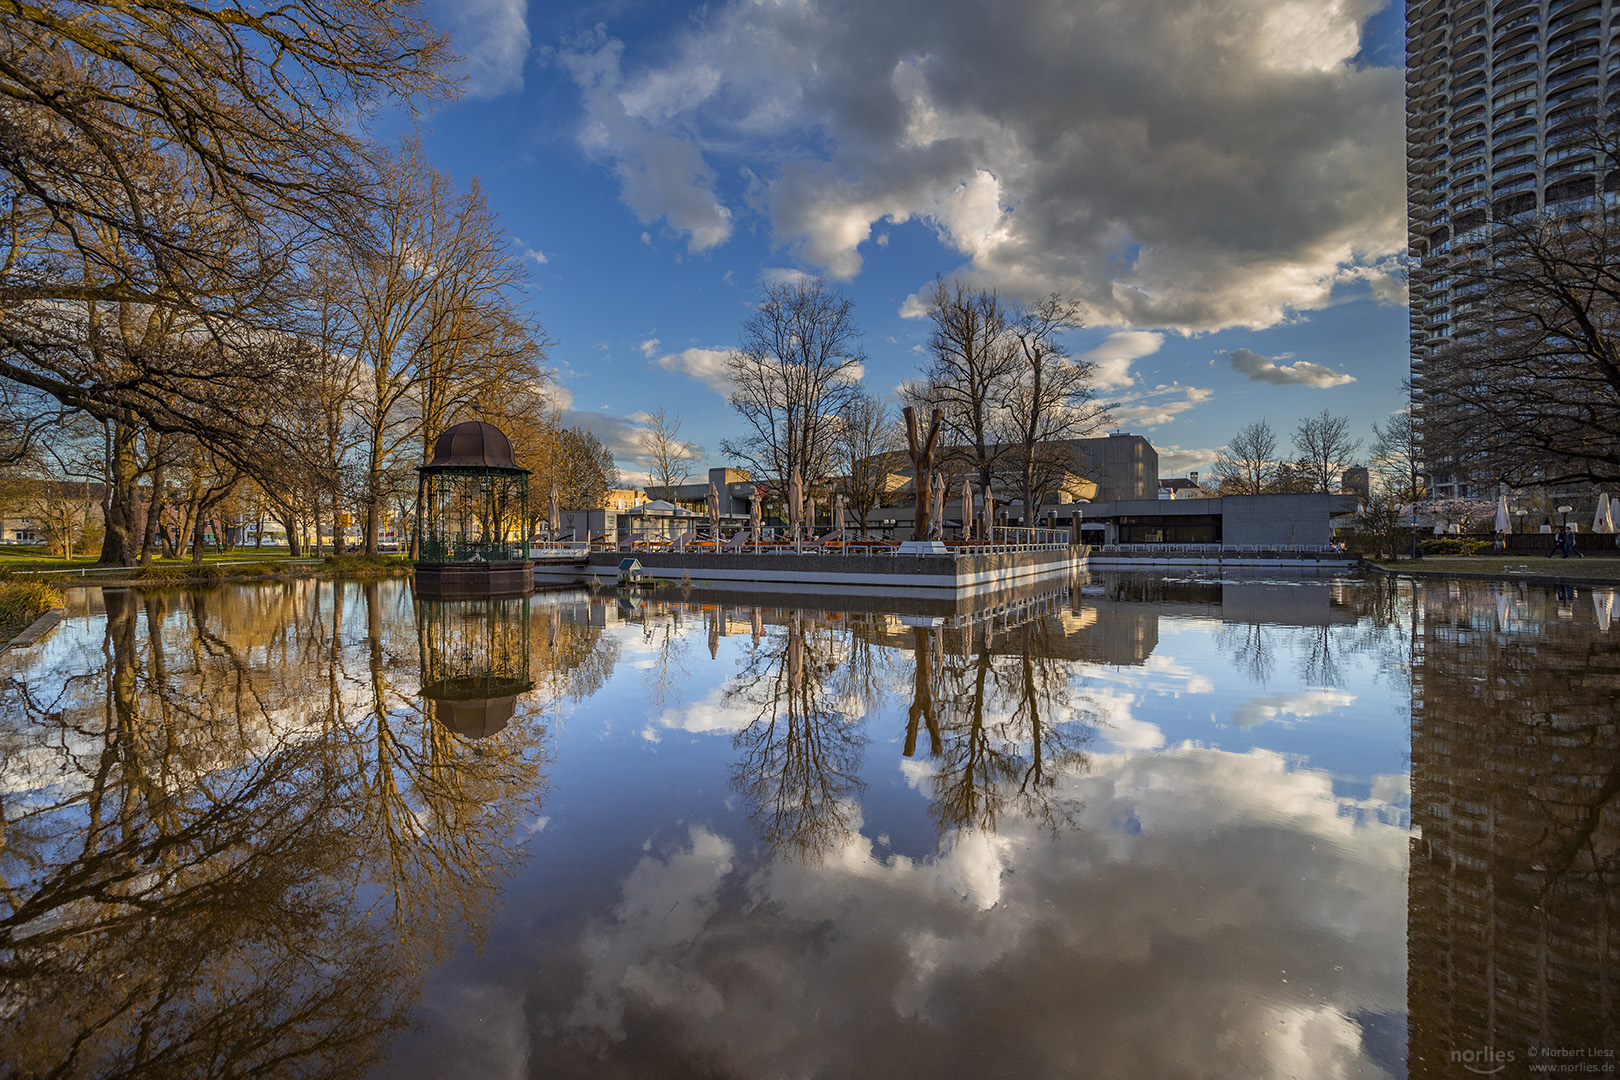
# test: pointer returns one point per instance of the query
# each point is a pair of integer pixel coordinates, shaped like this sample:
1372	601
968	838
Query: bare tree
1323	449
798	363
1050	398
1397	457
668	459
867	438
1248	464
1528	390
434	275
972	359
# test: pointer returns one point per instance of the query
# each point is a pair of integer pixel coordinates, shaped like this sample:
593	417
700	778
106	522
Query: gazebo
472	501
475	661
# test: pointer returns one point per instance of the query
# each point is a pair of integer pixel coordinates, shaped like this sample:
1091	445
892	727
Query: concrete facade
1233	521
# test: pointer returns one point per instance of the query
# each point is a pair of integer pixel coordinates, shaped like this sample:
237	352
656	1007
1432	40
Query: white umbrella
936	528
989	515
795	501
714	507
1503	522
754	512
555	520
1603	603
1603	521
1504	608
838	515
967	510
810	515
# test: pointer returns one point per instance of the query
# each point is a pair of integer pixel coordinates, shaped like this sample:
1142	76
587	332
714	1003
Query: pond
1124	826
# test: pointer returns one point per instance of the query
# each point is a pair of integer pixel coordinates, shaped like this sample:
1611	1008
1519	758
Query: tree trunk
154	515
118	544
295	546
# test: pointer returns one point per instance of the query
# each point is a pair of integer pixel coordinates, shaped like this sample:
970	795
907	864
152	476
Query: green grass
21	602
366	566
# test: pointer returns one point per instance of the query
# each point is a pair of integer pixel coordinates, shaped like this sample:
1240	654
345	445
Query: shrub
21	602
1453	545
179	572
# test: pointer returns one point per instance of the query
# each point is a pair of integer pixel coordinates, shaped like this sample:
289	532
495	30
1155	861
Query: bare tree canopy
101	104
1528	391
797	365
668	459
1323	449
1248	464
867	436
971	360
1050	398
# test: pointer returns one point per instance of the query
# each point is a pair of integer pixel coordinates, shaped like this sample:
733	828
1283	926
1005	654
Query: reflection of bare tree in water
216	866
801	755
1249	646
1000	726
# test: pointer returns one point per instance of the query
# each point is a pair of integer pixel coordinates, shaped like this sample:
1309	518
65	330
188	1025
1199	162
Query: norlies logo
1484	1062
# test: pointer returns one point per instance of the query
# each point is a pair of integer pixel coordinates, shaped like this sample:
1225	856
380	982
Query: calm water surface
1129	827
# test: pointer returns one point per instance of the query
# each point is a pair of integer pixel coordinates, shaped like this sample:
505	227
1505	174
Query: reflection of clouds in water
1287	706
1160	934
1158	674
1113	717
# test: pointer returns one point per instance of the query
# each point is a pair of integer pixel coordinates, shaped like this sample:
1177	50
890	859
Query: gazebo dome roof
473	445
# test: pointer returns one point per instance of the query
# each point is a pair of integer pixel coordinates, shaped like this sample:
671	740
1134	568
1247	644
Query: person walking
1569	545
1558	545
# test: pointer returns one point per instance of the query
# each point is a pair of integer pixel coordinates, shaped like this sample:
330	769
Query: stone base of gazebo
473	580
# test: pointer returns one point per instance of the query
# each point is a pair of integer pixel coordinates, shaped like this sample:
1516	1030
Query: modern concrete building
1233	521
1500	96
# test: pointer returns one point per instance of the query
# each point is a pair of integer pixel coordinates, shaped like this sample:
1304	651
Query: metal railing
784	541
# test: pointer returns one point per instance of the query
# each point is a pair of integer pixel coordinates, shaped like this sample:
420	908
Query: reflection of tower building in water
475	661
1514	923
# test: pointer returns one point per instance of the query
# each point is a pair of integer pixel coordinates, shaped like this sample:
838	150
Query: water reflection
1129	827
232	841
1514	936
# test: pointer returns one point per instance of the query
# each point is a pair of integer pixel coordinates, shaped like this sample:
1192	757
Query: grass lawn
29	561
1606	569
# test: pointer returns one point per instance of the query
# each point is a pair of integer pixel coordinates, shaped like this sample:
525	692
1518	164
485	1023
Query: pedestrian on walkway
1558	545
1569	545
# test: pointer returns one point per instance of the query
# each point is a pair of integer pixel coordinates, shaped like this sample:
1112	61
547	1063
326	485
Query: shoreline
1529	576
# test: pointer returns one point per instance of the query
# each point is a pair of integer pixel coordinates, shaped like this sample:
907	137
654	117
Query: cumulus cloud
1289	706
1185	164
1260	368
649	347
707	366
1116	354
492	37
662	173
626	438
537	255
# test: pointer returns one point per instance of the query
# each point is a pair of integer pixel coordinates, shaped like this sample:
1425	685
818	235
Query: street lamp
1520	515
1565	511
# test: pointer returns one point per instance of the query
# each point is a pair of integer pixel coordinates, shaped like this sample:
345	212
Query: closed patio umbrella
989	515
554	521
967	510
795	502
838	515
1603	604
810	515
1603	521
714	508
1503	521
937	526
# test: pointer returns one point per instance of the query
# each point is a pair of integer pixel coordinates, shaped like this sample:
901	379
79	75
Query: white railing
703	540
1173	551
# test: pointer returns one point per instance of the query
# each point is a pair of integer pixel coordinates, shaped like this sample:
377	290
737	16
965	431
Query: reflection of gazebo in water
475	661
472	501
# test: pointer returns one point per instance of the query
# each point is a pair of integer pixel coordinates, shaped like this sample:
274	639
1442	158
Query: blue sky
1222	184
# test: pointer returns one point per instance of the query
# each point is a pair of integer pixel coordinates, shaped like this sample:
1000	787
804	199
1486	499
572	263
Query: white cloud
1260	368
707	366
1187	164
662	174
537	255
649	347
1158	406
1175	460
1116	354
492	37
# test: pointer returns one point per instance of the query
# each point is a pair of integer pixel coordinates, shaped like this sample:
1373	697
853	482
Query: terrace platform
864	571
